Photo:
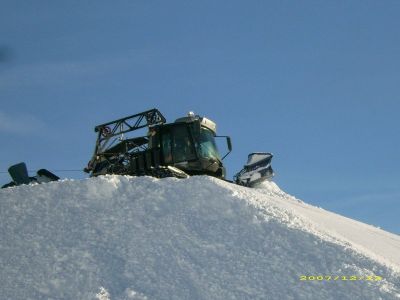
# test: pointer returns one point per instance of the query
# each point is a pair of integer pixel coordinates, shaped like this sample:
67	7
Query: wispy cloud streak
58	72
20	123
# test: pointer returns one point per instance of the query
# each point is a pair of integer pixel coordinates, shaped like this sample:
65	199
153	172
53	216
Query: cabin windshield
206	146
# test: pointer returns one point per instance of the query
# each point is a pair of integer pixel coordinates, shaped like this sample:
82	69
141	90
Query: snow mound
120	237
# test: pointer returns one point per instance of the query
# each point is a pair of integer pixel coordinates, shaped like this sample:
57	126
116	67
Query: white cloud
20	123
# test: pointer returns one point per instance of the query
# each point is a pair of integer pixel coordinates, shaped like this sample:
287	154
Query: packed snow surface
119	237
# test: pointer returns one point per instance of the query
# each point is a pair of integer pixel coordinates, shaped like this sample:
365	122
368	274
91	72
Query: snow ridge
121	237
365	239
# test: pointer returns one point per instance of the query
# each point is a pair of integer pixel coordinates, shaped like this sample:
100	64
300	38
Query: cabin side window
183	149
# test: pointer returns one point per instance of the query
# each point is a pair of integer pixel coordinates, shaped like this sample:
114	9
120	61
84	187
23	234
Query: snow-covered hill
118	237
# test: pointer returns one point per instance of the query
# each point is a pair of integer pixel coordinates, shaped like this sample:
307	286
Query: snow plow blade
257	170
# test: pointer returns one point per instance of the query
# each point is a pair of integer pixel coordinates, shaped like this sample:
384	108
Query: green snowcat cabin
186	146
189	145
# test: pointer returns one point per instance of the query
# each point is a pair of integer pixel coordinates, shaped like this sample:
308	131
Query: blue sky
315	82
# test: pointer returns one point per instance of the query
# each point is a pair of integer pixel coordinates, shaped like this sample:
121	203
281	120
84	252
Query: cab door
177	144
